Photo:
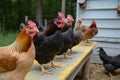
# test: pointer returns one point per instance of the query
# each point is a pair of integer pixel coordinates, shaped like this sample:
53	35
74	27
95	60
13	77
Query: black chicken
68	36
77	33
48	43
110	63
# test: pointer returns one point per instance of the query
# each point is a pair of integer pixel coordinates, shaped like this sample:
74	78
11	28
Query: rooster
17	58
68	36
110	63
48	43
89	31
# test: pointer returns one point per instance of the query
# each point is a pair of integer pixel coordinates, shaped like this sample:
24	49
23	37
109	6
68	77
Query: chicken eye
30	28
68	19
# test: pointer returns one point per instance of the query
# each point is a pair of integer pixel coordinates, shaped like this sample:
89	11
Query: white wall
104	12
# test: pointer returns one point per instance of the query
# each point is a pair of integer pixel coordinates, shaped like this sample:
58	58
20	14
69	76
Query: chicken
17	58
68	36
89	31
21	26
40	26
48	43
77	32
110	63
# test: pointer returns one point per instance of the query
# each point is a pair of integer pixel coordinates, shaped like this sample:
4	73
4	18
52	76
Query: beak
37	30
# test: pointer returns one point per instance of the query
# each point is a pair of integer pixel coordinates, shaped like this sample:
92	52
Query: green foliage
52	7
6	39
13	12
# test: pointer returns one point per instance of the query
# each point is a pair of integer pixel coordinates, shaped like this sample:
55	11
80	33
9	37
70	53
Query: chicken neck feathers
22	42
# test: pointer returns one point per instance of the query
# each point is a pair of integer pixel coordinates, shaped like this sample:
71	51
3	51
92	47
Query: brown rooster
16	59
89	31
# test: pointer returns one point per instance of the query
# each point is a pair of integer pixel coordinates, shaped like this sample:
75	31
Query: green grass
6	39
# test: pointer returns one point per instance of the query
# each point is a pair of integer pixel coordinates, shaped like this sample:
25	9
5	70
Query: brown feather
9	54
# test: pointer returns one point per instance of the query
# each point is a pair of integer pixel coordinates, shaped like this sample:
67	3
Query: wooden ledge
81	54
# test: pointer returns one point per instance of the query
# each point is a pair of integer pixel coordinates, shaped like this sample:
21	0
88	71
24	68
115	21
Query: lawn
6	39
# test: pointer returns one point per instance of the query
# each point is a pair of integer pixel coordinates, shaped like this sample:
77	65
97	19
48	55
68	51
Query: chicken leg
71	51
55	65
45	71
110	75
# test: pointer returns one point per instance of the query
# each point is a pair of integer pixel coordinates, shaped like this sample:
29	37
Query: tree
14	11
39	12
63	6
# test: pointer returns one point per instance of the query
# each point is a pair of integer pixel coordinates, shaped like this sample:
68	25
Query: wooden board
80	52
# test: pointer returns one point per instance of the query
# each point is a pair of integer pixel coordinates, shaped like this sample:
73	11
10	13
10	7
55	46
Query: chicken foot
45	71
66	56
55	65
86	41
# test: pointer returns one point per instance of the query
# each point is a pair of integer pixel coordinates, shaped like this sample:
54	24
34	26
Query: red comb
93	23
31	23
60	14
79	20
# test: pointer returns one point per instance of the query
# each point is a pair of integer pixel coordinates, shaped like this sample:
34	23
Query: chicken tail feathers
102	54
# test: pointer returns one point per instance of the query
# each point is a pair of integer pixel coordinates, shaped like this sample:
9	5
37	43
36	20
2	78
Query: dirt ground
97	72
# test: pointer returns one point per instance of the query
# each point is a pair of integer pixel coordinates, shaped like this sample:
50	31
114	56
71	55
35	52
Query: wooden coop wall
107	17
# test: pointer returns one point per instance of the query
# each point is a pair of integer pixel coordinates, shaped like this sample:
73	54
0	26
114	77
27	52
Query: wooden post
26	19
39	12
85	70
63	6
45	23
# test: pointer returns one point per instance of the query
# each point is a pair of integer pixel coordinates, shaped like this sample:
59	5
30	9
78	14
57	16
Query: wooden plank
104	23
109	33
106	39
81	50
109	46
118	10
118	2
85	49
102	4
101	14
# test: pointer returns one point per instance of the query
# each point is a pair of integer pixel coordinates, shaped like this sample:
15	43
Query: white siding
99	14
104	12
102	4
102	23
